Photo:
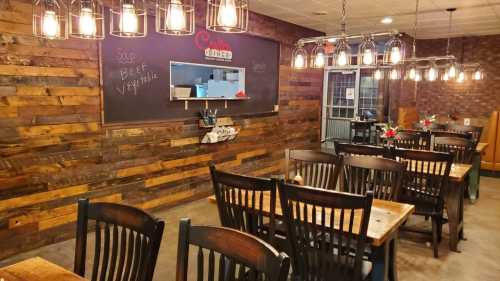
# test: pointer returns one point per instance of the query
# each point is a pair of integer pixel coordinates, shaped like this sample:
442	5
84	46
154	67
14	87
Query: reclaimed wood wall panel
53	149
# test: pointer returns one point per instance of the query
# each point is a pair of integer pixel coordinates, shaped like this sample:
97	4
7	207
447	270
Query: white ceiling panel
473	17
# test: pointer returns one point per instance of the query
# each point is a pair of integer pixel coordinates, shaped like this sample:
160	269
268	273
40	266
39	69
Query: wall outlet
467	121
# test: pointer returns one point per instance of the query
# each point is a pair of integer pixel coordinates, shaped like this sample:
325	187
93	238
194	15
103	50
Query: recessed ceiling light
386	20
320	13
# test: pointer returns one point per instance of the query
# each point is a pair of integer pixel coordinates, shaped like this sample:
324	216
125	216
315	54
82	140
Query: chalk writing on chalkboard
133	74
259	67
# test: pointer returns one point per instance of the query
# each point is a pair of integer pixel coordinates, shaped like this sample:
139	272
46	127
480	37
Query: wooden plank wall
54	150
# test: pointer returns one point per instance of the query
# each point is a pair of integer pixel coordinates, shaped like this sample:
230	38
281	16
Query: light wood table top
385	217
481	146
457	173
37	269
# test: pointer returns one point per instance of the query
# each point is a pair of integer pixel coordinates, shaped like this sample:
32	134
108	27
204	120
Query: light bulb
299	61
50	25
461	77
342	58
87	24
367	57
412	73
432	74
176	17
319	61
227	16
378	74
395	55
129	22
478	75
418	76
394	74
446	76
452	71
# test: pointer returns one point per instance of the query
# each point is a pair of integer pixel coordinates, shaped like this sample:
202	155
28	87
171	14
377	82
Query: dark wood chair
228	253
381	176
442	134
358	149
240	202
462	149
474	131
425	138
318	169
409	140
434	126
321	250
424	185
131	241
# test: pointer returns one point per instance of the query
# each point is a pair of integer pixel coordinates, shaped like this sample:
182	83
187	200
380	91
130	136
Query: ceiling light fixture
299	57
386	20
128	18
49	19
175	17
367	51
318	57
394	50
86	19
342	52
229	16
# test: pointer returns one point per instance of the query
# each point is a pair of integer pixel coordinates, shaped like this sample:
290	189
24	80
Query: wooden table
385	219
37	269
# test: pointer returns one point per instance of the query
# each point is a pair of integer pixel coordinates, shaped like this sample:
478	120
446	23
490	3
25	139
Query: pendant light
432	73
394	52
128	18
299	57
378	74
418	76
412	72
461	77
175	17
394	74
86	19
50	19
230	16
452	69
342	53
318	57
478	74
367	52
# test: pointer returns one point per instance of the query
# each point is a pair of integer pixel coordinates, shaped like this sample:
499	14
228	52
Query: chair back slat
231	255
240	202
324	227
423	143
474	131
127	241
462	149
318	169
347	149
381	176
426	178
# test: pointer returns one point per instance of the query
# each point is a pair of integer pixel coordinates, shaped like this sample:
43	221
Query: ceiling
472	17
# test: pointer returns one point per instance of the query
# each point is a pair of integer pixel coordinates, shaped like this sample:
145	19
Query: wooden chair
318	169
441	134
462	149
425	138
474	131
434	126
240	201
424	185
408	140
358	149
321	250
131	241
228	253
381	176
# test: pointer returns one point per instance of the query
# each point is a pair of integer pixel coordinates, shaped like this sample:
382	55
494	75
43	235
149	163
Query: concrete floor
479	258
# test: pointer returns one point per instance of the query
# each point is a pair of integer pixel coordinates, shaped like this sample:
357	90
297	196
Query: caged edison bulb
50	25
395	55
378	74
227	15
299	61
342	58
319	60
368	57
87	22
394	74
128	21
432	74
176	17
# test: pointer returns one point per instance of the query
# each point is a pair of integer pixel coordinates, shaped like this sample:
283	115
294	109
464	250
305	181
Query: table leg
454	209
474	177
384	261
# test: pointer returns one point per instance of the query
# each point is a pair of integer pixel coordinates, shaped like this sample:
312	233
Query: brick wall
54	150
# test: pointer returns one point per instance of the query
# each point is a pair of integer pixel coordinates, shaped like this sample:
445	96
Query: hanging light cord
414	51
451	10
342	23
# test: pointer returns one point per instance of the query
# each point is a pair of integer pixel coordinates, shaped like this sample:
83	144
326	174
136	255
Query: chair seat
366	273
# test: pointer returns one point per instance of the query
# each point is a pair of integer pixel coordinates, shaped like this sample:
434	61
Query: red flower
427	122
390	133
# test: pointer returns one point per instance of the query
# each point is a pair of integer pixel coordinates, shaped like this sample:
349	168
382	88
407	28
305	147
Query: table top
37	269
385	217
481	146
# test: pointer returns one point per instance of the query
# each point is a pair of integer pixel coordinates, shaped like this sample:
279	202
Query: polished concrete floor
479	258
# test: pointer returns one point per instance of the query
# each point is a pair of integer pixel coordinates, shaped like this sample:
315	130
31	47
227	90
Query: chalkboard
136	73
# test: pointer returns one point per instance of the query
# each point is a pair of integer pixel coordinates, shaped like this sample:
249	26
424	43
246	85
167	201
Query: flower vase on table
427	122
390	134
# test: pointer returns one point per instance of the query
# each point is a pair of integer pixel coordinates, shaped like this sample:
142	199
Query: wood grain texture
37	269
53	148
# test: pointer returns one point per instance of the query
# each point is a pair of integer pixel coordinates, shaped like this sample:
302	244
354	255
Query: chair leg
440	228
435	243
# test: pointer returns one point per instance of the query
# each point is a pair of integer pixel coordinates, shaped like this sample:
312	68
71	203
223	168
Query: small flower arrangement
427	122
390	134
